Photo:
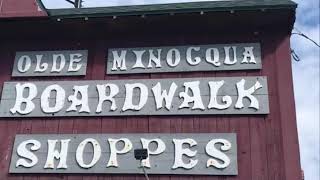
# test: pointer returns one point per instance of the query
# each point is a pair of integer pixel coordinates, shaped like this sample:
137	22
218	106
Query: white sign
210	154
241	95
217	57
50	63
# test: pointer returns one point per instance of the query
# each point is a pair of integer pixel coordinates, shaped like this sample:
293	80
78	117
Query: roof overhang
173	8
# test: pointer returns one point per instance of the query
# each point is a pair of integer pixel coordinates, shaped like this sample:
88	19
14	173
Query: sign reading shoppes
194	154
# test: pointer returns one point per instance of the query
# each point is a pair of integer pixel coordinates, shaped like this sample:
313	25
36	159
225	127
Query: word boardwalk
145	97
110	153
133	97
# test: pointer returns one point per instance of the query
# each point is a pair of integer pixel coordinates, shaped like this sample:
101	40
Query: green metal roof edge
190	7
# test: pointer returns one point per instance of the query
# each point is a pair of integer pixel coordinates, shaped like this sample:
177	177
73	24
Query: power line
305	36
294	55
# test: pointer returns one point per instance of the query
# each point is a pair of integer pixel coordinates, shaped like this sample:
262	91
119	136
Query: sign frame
193	58
49	63
228	90
162	163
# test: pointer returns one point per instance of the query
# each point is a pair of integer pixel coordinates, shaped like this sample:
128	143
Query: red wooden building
267	144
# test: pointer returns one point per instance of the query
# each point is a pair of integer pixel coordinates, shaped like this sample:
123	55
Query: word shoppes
208	152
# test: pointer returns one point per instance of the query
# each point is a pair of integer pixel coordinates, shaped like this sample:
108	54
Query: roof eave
176	8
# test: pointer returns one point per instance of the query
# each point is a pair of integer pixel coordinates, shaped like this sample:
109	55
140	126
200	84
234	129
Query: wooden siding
267	144
18	8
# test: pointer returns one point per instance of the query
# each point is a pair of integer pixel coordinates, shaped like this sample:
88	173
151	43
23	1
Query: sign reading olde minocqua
197	154
50	63
184	58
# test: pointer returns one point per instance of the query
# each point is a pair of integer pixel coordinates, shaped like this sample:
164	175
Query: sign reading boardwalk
196	154
230	95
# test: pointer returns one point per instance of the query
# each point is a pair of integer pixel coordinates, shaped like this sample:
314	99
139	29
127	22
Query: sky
306	87
305	73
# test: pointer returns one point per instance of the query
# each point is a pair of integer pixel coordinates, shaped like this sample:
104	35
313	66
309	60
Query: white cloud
308	12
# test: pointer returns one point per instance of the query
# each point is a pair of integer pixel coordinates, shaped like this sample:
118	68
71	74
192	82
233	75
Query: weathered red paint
18	8
267	145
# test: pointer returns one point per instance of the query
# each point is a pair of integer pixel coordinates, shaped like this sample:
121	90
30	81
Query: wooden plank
258	147
289	132
240	126
16	8
6	144
3	126
7	129
273	140
12	128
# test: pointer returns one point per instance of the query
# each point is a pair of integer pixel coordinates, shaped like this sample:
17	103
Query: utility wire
305	36
145	173
144	170
299	33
